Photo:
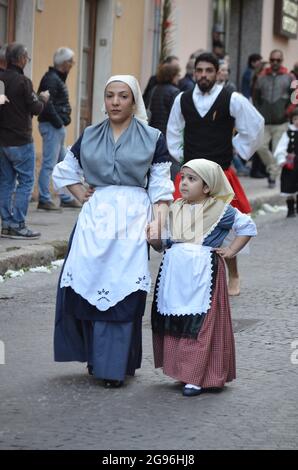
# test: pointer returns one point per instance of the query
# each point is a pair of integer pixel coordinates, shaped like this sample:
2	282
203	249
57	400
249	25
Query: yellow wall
56	26
128	38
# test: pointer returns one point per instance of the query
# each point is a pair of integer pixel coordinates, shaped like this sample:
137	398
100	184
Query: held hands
226	252
89	192
153	232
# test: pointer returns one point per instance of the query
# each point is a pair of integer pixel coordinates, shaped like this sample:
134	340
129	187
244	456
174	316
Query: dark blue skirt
110	341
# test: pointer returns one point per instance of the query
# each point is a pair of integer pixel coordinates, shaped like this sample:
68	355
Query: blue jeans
16	176
53	151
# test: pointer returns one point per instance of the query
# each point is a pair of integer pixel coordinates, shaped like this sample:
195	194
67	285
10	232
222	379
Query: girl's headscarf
132	82
192	223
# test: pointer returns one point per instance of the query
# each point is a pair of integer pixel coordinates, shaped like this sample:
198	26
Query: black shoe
73	204
48	206
113	383
191	392
257	174
90	369
271	183
291	208
23	233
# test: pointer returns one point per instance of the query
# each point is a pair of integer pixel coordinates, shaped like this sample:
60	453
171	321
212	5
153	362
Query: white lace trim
67	172
160	187
160	285
106	298
216	223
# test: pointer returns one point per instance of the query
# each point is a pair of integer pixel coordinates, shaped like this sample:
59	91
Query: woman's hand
226	252
89	192
153	235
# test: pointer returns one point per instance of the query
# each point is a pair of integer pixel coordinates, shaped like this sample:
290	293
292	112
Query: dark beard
206	86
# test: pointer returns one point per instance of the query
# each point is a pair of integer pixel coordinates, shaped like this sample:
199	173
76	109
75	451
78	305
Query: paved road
46	405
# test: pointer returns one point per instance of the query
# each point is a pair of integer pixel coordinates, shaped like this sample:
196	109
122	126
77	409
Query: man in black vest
202	124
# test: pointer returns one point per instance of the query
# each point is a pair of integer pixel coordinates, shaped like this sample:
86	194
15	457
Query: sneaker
271	183
72	204
48	206
22	233
5	232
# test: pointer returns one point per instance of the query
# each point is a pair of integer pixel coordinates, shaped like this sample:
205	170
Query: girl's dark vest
210	136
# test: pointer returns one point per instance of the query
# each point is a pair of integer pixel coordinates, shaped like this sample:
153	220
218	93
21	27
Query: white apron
185	283
108	259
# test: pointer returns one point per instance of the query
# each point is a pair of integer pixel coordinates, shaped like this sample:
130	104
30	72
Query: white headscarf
132	82
206	215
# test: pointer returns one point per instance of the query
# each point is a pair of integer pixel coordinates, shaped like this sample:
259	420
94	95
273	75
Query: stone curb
40	255
32	255
274	199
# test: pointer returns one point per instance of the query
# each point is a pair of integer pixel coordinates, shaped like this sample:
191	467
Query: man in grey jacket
272	98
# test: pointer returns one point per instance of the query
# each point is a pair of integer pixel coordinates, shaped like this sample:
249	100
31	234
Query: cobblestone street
47	405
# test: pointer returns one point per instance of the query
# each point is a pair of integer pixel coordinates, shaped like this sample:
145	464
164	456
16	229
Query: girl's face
192	187
295	121
119	102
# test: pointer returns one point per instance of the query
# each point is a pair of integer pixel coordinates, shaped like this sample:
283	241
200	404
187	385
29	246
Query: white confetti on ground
40	269
10	274
57	263
267	208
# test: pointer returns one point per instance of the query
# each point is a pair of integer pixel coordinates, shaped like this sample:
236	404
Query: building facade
112	37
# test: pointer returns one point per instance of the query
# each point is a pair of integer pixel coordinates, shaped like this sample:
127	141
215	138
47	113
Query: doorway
87	72
7	21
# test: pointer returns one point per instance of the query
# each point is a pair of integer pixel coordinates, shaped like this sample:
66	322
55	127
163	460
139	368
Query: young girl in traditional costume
286	154
192	330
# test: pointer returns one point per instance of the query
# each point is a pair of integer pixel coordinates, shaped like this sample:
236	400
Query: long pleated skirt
110	341
207	360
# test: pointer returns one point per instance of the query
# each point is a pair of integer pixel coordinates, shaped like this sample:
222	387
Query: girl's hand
89	192
226	252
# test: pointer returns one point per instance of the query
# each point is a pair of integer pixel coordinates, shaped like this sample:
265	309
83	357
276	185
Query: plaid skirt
209	359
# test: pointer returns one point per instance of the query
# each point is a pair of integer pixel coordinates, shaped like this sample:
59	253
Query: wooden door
7	21
87	72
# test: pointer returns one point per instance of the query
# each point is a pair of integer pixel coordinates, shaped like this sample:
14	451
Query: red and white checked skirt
209	360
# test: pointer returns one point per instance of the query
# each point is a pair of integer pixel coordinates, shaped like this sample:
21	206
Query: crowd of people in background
19	103
266	84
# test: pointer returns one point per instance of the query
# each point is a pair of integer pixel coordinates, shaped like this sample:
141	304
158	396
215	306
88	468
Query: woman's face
119	102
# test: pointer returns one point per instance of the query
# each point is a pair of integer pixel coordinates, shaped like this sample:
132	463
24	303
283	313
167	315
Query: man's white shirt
248	122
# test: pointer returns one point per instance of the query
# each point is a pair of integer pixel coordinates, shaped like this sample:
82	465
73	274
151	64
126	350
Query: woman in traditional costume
192	330
105	278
